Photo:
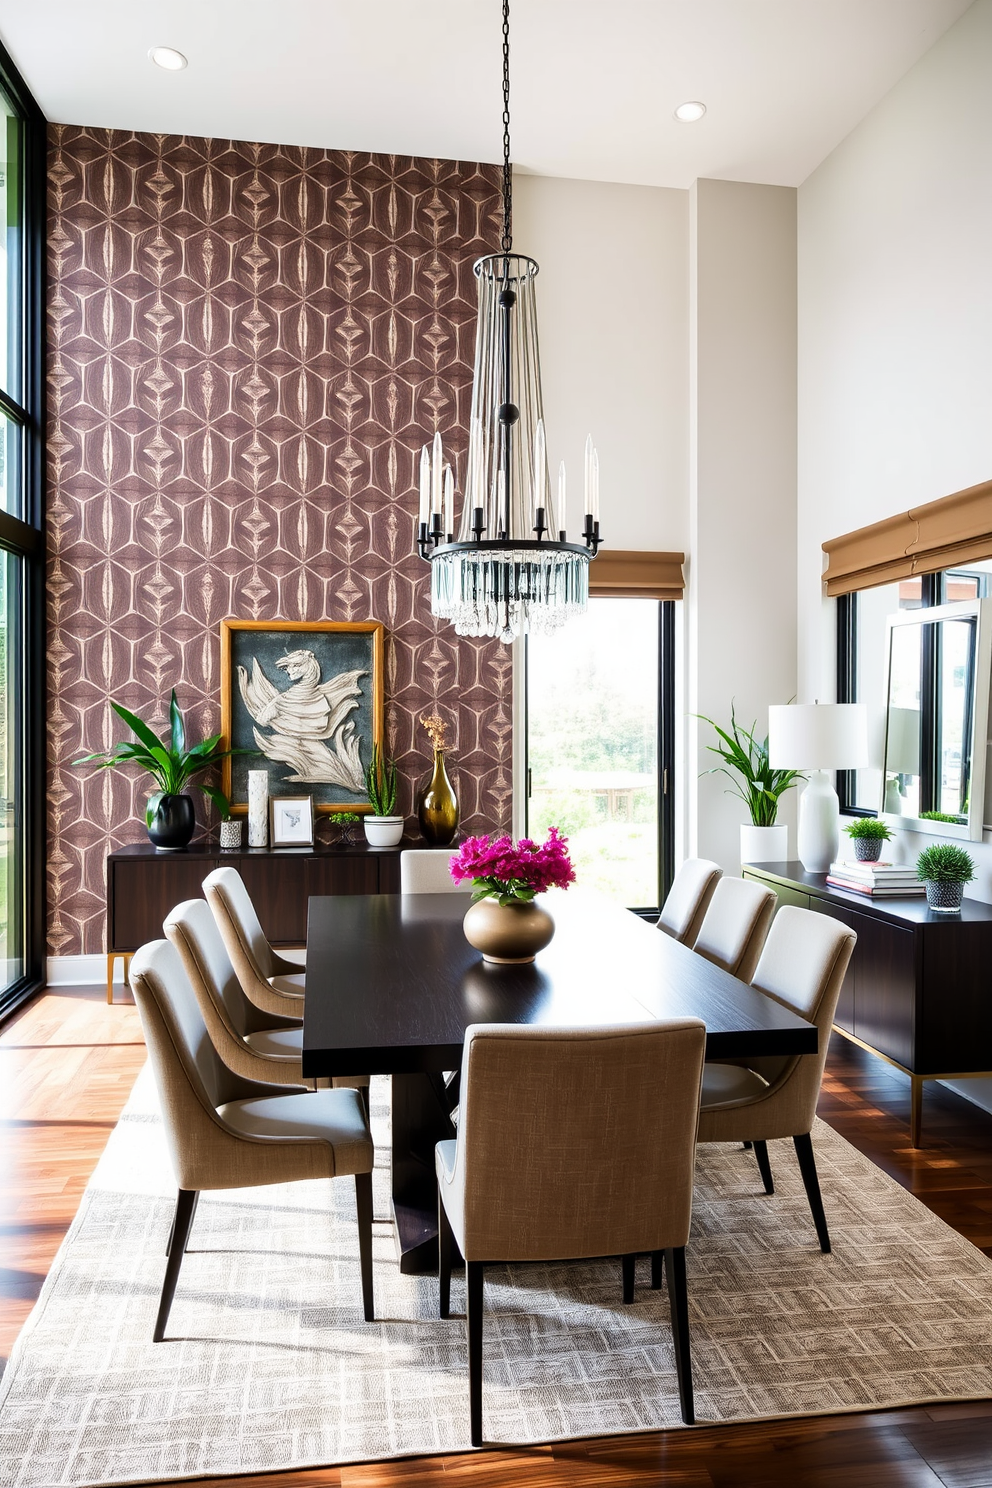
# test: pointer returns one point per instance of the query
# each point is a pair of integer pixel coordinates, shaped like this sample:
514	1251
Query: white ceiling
594	81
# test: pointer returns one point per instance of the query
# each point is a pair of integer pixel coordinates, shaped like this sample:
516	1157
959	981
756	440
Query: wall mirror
936	719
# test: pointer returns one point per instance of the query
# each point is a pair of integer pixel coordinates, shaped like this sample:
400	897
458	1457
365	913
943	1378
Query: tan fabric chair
572	1142
735	925
424	870
227	1132
802	966
273	981
688	898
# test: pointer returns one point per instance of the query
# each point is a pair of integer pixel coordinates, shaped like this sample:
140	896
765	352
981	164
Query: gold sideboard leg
915	1110
111	959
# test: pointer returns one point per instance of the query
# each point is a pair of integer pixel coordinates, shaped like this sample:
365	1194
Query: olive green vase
437	806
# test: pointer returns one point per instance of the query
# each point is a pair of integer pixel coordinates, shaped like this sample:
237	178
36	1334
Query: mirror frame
981	609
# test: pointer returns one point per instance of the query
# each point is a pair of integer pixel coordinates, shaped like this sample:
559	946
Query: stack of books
879	880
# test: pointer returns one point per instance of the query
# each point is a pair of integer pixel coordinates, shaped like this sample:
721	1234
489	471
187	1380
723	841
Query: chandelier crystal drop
509	568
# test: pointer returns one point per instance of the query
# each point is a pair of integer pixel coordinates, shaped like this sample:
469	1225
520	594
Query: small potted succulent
945	870
868	833
230	827
382	827
347	821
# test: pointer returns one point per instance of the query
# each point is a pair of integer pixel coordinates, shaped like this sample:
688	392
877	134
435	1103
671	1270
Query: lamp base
819	823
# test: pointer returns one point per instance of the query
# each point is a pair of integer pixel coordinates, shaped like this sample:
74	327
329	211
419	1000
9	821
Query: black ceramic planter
173	822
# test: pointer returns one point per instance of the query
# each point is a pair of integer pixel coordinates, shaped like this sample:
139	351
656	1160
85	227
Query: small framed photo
291	821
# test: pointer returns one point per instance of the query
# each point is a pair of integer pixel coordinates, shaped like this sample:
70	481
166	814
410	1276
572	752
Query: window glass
10	253
11	938
872	608
11	435
592	742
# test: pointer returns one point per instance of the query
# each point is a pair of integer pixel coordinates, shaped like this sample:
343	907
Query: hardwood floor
67	1063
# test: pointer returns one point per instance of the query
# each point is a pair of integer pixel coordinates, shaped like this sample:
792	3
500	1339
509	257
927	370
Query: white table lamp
821	738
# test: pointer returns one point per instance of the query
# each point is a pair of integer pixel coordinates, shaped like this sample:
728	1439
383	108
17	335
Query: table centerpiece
503	921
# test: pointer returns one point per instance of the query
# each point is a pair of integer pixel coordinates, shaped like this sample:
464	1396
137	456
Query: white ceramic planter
383	831
765	844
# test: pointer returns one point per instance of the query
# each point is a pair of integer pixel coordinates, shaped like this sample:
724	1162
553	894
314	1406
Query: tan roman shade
624	575
956	529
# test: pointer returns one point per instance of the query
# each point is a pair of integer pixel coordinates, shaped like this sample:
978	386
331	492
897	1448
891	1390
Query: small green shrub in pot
382	828
868	833
945	870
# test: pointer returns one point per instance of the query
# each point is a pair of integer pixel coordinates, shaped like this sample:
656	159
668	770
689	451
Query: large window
22	164
599	709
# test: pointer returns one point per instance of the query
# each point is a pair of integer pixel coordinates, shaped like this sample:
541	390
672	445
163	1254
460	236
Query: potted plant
759	787
230	827
868	833
503	922
172	765
382	828
347	821
945	870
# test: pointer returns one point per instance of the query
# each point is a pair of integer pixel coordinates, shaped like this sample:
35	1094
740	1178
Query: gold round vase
508	933
437	806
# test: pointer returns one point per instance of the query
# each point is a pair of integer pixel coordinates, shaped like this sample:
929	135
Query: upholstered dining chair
735	925
592	1155
802	966
224	1131
272	980
688	899
424	870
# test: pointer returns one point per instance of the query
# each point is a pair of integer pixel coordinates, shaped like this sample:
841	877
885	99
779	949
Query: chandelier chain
506	242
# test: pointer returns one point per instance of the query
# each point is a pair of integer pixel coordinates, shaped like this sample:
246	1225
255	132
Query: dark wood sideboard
918	990
144	884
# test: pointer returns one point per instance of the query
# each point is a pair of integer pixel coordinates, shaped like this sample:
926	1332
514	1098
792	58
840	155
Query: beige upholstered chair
572	1142
424	870
688	898
735	925
273	981
224	1131
802	966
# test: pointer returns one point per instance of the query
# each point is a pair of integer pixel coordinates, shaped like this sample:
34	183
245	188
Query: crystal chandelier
509	568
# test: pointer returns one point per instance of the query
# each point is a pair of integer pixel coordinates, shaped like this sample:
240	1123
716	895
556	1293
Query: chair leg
185	1208
678	1298
627	1269
807	1166
444	1239
746	1146
172	1232
657	1261
764	1166
474	1277
363	1201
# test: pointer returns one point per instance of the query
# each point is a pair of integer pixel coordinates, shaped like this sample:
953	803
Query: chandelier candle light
510	567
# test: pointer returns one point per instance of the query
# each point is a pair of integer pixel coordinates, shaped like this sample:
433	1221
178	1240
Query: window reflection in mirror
954	720
904	722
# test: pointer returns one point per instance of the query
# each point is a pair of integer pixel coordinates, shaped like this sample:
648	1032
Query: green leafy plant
944	863
940	816
747	768
344	818
380	783
169	761
868	828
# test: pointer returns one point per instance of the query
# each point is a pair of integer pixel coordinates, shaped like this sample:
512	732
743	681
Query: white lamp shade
818	736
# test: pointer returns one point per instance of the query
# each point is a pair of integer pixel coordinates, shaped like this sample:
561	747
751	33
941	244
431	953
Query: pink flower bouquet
513	871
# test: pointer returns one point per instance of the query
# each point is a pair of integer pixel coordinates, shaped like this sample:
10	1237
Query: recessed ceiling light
688	113
168	57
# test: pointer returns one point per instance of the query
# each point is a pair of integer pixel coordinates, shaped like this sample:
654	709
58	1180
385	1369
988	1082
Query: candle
437	472
595	486
472	494
562	516
588	476
425	486
540	466
449	501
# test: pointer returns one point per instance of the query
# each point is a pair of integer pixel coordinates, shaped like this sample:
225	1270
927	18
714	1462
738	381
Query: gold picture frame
314	734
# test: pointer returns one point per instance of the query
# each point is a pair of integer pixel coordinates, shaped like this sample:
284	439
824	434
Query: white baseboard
81	971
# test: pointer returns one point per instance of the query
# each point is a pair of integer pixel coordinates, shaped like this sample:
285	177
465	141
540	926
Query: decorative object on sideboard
820	738
437	804
509	568
231	830
290	821
945	870
307	697
258	808
868	834
759	786
383	828
348	824
169	815
503	921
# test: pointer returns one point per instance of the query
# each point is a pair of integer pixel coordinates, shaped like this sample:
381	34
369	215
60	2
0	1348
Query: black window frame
24	536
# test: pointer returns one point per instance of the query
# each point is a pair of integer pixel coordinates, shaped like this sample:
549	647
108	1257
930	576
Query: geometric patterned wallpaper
248	345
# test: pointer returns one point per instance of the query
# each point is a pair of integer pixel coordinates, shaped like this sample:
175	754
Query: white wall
895	325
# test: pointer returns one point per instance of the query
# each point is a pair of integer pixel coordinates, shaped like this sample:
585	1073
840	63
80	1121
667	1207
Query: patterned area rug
269	1365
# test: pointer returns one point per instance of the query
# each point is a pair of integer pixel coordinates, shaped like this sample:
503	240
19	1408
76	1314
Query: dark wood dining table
392	985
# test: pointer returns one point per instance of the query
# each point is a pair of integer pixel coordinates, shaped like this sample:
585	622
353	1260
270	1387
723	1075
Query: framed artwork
306	696
291	821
